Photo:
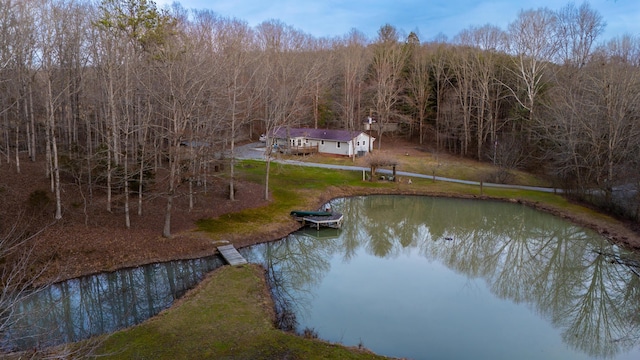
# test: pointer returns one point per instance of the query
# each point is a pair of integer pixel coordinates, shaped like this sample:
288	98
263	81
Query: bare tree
183	69
240	69
16	76
25	55
131	31
111	57
354	59
419	85
591	127
624	49
128	91
321	94
462	82
18	273
485	42
389	60
53	22
534	42
578	29
441	73
285	77
21	274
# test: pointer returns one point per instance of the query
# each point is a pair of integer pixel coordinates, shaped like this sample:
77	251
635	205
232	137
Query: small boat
303	213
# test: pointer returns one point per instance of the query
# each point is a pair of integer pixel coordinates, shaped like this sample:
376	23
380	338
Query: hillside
89	239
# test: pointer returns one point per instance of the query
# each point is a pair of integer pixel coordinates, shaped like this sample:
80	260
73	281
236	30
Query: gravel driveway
250	151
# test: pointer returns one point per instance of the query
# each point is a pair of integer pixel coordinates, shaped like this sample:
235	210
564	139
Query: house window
299	142
358	143
338	144
306	141
322	142
363	143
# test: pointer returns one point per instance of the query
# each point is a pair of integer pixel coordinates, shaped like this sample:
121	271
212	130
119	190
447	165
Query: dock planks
231	255
334	220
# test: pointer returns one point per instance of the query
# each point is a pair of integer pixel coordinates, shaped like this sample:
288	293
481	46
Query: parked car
263	138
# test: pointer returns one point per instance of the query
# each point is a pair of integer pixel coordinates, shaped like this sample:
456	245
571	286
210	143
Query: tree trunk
266	177
17	149
166	231
232	190
54	152
127	217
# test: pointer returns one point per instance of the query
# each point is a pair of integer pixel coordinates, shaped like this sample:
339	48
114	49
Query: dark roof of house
317	134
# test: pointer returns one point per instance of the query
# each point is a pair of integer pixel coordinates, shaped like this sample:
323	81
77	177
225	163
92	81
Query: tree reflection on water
80	308
570	276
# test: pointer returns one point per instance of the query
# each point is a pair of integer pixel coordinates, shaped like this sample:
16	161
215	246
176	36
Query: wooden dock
334	220
231	255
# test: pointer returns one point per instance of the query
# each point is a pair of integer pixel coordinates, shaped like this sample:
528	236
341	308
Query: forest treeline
115	93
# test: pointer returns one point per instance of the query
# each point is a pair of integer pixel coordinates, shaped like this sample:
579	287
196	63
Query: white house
326	141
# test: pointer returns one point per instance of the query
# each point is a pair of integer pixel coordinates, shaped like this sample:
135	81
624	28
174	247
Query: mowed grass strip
228	316
443	165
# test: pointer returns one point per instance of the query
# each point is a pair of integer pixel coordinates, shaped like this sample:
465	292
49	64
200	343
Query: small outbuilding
326	141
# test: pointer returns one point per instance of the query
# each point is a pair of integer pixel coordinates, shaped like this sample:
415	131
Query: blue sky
329	18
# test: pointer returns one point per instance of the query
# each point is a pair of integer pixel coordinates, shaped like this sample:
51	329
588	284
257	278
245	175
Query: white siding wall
331	147
362	143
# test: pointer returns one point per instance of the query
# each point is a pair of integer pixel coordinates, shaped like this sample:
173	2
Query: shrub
38	199
309	333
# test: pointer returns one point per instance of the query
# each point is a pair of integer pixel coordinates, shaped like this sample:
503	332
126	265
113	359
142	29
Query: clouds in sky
330	18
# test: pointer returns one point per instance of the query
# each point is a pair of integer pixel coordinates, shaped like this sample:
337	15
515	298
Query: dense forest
106	93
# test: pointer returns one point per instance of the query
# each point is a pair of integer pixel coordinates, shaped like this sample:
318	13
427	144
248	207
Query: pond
414	277
80	308
422	277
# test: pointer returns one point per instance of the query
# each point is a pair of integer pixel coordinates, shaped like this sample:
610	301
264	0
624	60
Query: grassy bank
229	316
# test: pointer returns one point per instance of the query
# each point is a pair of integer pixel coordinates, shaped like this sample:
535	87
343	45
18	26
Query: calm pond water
413	277
432	278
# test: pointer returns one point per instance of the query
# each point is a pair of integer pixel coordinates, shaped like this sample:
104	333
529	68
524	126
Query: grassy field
410	159
229	315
